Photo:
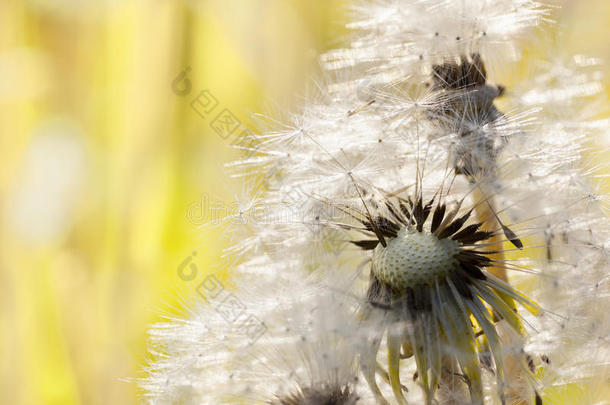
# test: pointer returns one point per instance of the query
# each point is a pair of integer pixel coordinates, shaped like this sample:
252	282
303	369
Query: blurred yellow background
104	157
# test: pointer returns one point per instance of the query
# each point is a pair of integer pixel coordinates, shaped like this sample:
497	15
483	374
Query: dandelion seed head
413	259
406	113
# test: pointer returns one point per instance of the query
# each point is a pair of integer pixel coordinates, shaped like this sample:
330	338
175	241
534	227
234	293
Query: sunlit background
108	156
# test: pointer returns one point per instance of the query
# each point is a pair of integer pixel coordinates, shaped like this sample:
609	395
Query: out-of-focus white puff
396	38
301	349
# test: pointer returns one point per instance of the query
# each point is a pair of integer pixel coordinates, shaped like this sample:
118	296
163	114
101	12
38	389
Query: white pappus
465	215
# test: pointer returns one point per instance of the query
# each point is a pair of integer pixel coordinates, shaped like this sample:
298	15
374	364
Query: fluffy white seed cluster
288	340
397	38
379	125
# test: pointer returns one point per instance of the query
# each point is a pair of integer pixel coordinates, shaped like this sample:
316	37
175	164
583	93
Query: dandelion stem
515	373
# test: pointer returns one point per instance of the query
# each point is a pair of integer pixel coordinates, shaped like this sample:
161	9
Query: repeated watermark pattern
225	303
231	308
212	211
227	126
224	122
208	210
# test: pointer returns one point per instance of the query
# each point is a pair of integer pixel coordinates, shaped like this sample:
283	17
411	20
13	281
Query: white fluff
377	125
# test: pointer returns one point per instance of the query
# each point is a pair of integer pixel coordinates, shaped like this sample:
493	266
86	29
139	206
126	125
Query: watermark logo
225	123
181	85
204	103
226	304
231	308
187	270
209	211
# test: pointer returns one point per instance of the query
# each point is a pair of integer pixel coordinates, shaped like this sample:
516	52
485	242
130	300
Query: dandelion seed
497	197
